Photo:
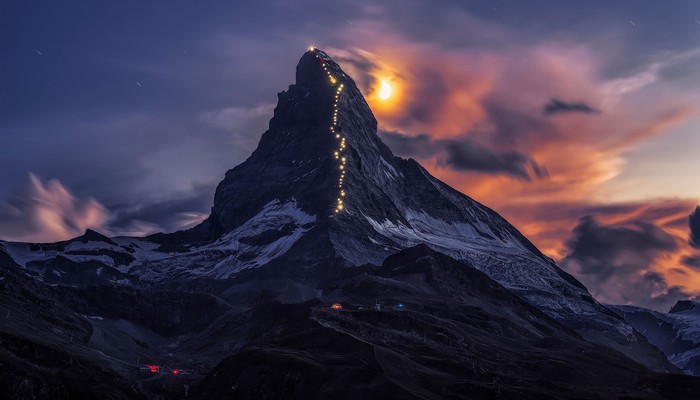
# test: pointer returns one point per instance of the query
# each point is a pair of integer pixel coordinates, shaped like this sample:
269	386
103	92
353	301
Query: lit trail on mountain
339	154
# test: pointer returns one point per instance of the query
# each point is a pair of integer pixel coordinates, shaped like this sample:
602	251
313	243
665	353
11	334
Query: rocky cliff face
676	333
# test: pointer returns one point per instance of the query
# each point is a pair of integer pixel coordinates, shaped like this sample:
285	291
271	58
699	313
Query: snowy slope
676	333
265	237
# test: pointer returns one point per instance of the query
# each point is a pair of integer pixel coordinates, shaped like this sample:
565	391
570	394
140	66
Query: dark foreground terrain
420	326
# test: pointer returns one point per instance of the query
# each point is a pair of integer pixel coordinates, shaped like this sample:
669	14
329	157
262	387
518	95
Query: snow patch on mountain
90	246
391	171
276	218
676	333
23	254
263	238
459	237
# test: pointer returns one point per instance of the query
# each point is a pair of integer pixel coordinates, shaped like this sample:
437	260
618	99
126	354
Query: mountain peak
321	155
685	306
316	68
93	236
321	140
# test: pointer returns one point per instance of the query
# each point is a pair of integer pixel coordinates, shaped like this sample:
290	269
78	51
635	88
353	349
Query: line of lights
339	154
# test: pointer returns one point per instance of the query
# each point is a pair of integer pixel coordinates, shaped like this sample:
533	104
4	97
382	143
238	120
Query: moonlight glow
385	91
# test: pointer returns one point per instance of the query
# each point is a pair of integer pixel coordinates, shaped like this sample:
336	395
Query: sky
577	121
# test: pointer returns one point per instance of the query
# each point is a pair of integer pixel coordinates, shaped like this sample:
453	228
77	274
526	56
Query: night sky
577	121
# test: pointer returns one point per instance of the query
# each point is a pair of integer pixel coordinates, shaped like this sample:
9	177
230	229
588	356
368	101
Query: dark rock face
88	236
293	160
43	352
458	334
685	306
676	333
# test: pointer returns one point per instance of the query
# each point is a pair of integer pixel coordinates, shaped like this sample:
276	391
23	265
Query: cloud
246	120
692	261
468	155
557	106
418	146
694	223
464	154
175	212
50	212
616	262
614	90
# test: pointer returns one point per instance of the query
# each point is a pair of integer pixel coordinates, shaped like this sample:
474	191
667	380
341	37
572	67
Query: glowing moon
385	91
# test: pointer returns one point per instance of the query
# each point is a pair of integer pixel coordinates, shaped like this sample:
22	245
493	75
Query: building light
153	368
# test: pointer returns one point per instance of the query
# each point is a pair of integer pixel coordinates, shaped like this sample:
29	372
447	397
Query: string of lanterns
339	154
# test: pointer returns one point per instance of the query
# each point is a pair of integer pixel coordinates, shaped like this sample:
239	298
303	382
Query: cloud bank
49	213
557	106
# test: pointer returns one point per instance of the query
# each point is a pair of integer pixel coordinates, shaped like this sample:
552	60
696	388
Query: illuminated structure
339	153
153	368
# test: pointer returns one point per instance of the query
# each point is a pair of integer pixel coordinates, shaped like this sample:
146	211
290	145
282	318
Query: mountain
676	333
321	212
279	206
441	329
42	346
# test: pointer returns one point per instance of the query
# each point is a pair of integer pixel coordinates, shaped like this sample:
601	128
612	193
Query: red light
153	368
176	371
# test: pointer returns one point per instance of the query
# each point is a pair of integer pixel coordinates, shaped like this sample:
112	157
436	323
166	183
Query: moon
385	91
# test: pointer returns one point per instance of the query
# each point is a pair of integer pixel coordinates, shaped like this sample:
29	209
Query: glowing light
341	147
153	368
385	90
311	47
176	371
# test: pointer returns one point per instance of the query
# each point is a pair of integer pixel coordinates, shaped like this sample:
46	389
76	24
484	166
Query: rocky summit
327	267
